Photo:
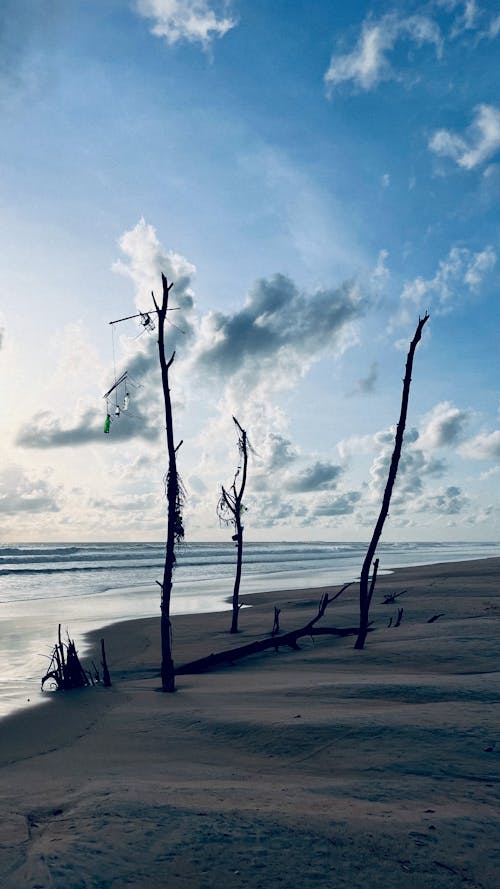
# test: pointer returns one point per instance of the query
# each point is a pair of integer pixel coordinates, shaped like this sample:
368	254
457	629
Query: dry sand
324	767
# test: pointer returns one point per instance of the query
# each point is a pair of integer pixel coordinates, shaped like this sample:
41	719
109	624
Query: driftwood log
288	640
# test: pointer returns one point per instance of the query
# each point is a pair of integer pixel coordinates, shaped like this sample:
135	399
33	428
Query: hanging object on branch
115	388
147	321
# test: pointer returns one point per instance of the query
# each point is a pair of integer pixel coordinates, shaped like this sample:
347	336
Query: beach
319	767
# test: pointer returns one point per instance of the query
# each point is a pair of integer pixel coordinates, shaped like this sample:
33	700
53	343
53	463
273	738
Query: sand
324	767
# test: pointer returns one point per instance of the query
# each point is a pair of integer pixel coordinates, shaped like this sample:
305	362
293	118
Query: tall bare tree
230	508
175	529
366	587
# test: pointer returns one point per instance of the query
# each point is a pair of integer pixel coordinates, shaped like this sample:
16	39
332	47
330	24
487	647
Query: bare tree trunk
366	592
173	501
237	577
229	509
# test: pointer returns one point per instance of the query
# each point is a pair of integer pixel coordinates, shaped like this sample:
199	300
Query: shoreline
211	625
323	766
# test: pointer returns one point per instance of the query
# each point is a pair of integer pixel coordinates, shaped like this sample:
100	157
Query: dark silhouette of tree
174	492
229	510
365	588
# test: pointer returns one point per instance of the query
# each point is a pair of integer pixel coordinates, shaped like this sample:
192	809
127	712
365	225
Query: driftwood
436	617
289	640
66	670
390	598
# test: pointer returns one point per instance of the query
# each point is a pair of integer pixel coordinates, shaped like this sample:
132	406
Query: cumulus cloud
443	426
368	63
319	477
356	444
341	504
145	261
273	509
196	21
277	452
22	493
446	501
485	446
280	330
415	468
479	143
461	269
45	430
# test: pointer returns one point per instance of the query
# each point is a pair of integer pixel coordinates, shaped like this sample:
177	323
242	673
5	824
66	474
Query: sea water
86	586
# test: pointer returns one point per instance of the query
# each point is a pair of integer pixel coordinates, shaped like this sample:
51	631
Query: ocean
85	586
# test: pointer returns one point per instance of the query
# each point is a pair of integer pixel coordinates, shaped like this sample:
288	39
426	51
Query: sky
312	178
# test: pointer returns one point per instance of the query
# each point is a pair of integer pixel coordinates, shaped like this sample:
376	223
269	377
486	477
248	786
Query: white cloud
23	492
368	63
193	20
273	340
494	28
461	268
380	274
468	20
415	468
480	142
321	476
443	426
485	446
336	505
449	500
146	259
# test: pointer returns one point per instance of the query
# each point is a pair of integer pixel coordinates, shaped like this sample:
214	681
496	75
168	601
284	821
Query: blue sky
313	177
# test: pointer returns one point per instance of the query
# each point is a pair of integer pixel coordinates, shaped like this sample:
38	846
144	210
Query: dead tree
230	509
175	529
288	640
366	590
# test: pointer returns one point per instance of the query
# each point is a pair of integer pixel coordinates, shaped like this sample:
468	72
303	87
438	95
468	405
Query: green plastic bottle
107	423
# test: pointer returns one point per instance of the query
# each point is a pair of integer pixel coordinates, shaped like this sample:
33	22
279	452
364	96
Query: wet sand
324	767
